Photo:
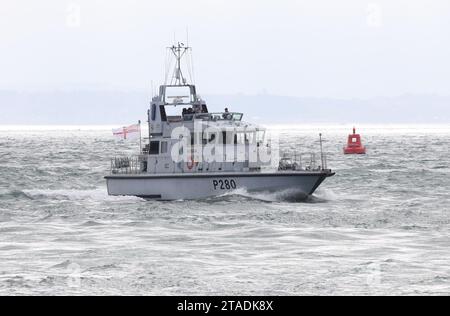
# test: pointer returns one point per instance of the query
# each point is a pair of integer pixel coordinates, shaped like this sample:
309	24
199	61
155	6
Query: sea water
381	225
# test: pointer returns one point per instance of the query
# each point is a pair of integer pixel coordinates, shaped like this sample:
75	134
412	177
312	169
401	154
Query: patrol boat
196	154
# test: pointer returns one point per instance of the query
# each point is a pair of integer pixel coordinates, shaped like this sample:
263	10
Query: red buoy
354	145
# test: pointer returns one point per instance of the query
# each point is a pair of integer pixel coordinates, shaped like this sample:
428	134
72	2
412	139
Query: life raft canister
354	144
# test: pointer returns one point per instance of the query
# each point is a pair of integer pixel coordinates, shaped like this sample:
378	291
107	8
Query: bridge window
153	112
227	138
162	111
208	138
242	138
237	116
163	147
154	148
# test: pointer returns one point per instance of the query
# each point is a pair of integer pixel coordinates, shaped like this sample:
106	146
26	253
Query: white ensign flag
131	132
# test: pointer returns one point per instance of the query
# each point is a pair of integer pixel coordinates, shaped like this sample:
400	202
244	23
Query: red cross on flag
131	132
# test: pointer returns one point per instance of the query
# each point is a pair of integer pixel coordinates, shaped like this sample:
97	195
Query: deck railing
128	165
296	161
220	116
288	161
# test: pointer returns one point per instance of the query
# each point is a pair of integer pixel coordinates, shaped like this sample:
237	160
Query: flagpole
140	138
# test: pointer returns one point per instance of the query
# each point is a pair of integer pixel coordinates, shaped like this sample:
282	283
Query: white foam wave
98	194
326	194
277	196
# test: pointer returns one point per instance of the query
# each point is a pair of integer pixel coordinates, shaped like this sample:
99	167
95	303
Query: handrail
216	116
302	161
128	165
287	161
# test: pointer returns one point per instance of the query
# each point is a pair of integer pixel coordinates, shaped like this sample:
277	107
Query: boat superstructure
192	153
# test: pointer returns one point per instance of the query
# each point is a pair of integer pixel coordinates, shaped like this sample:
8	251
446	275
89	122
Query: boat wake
289	195
98	194
324	195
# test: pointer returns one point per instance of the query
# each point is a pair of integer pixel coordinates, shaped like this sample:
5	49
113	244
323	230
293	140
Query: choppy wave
379	226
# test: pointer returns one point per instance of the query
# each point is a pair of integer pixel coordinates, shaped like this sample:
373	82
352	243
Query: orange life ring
190	164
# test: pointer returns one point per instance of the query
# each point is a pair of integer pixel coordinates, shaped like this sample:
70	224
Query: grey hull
197	186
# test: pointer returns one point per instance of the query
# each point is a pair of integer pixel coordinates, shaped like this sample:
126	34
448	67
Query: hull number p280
226	184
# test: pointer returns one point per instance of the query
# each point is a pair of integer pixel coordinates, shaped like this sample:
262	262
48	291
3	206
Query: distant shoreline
107	107
308	128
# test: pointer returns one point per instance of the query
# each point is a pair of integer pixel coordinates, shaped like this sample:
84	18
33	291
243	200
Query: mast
178	51
321	152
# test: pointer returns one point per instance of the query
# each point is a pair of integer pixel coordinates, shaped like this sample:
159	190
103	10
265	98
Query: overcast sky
319	48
